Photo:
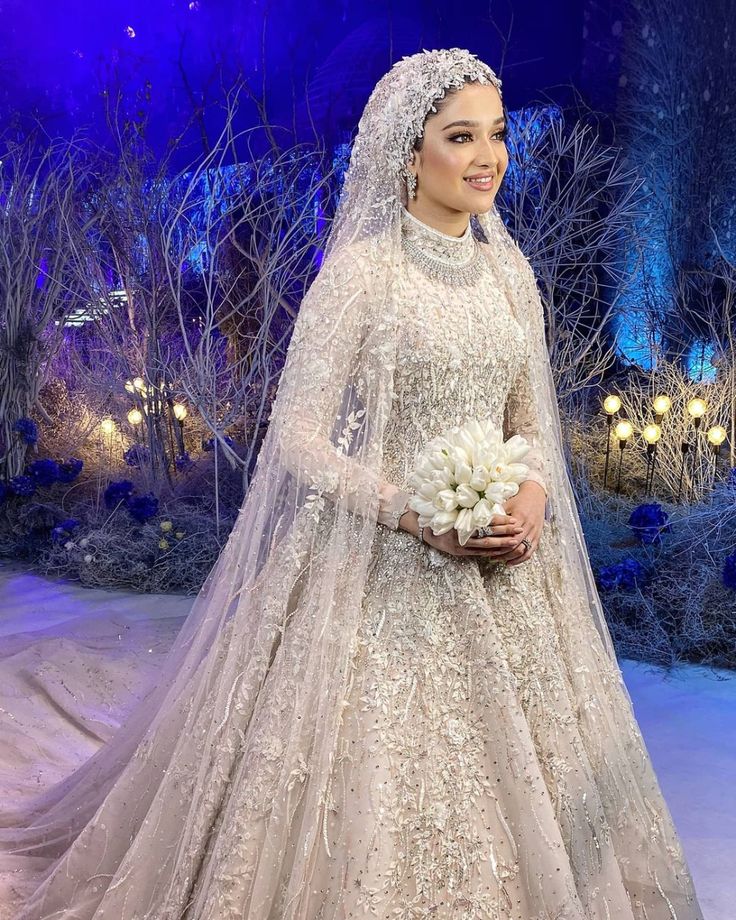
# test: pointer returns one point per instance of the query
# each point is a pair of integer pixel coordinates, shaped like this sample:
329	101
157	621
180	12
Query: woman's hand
506	535
527	507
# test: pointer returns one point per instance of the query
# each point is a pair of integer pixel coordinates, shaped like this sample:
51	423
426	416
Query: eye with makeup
503	134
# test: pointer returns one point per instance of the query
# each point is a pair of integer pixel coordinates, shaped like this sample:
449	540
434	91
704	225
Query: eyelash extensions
504	133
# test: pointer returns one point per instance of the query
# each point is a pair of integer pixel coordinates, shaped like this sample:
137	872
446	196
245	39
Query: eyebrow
472	124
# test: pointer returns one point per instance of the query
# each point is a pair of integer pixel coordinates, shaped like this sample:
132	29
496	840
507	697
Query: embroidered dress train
375	728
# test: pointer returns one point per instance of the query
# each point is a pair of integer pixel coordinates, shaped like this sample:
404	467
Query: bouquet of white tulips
463	475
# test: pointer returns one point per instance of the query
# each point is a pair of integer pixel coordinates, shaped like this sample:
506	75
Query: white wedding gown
478	773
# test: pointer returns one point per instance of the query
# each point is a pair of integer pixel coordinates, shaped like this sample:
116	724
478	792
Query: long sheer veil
124	835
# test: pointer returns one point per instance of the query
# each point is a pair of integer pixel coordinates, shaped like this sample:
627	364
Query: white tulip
443	521
479	478
463	472
483	513
464	525
446	500
423	508
428	490
466	497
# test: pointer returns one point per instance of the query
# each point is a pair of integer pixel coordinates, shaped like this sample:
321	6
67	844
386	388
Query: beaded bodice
460	349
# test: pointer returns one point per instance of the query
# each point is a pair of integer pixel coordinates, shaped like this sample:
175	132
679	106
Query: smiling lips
480	183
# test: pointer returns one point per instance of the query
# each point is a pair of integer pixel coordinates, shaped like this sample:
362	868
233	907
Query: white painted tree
41	187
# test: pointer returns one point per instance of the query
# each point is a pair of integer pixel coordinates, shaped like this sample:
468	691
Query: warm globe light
135	416
107	425
129	386
717	435
623	430
696	407
651	434
662	404
612	404
139	383
180	411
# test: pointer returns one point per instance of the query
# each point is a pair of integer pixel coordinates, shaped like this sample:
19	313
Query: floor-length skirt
487	765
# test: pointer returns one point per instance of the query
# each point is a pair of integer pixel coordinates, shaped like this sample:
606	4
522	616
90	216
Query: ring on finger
527	543
485	531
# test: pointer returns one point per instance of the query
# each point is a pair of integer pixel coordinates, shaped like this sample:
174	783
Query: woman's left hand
527	507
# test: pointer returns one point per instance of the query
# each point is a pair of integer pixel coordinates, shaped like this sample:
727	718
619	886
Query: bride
361	717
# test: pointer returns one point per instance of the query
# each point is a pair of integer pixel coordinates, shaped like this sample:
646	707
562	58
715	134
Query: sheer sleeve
328	398
521	417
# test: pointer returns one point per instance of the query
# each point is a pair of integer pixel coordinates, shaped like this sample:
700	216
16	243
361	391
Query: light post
696	410
623	432
180	413
651	434
611	405
716	436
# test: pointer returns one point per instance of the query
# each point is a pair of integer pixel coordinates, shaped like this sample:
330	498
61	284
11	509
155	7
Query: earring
411	184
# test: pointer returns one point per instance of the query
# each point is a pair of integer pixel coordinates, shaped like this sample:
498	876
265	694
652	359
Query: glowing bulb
107	425
129	386
135	416
612	404
623	430
717	435
696	407
651	434
130	31
180	411
662	404
139	383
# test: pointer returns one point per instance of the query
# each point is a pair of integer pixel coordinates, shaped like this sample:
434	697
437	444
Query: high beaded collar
453	259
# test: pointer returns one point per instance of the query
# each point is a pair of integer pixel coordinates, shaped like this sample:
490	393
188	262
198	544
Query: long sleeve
521	418
328	380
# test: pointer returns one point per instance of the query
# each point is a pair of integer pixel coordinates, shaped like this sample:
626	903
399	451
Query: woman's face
451	153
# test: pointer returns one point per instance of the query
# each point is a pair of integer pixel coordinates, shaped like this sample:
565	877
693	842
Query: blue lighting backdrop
313	65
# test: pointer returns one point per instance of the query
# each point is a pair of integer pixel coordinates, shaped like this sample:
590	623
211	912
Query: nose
488	157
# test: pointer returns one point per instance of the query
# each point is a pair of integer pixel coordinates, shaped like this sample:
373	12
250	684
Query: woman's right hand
505	537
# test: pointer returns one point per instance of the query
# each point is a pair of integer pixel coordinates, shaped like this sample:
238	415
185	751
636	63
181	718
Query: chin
482	207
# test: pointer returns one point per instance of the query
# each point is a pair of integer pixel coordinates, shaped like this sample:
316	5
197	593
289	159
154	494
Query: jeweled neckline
451	259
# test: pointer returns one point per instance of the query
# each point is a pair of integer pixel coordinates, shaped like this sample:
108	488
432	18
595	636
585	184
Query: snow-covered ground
77	659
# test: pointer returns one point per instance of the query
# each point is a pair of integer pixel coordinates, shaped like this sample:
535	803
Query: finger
503	519
501	546
528	553
511	552
507	546
499	530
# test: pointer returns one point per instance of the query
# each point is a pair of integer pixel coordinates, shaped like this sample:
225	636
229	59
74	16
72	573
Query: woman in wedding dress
362	718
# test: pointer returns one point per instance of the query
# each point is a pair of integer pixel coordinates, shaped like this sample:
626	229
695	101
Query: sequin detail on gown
470	775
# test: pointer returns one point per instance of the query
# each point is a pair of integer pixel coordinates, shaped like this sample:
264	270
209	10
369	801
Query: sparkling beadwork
451	260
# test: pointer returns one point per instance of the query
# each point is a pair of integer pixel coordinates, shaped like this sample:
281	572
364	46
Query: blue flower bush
627	575
142	507
27	429
22	486
137	456
70	469
44	472
118	492
649	522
